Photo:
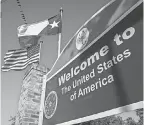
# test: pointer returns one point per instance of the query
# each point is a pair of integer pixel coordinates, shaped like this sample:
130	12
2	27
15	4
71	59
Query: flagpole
60	34
40	50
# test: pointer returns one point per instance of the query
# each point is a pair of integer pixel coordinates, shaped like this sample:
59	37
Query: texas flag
29	34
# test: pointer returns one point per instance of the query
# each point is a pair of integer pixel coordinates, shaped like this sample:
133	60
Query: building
30	96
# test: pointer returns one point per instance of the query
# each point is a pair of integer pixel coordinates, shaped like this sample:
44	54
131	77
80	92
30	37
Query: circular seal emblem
50	104
22	29
82	38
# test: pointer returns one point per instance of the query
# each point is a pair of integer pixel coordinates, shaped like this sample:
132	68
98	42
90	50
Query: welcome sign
105	77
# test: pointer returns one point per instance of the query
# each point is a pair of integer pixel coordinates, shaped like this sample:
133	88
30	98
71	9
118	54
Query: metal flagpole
60	34
40	50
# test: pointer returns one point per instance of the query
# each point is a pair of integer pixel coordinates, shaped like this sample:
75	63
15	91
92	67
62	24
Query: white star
54	24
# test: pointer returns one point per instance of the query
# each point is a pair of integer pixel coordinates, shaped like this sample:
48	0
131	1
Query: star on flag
54	24
29	34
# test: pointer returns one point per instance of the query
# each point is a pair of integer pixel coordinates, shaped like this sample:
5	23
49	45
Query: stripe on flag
32	29
15	61
21	61
15	56
29	34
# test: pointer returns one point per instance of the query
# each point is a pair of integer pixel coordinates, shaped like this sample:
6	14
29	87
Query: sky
75	14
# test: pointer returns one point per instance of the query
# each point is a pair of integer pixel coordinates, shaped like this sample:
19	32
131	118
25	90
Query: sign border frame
114	111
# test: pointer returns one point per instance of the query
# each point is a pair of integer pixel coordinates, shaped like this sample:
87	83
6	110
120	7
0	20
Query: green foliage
110	120
117	120
12	120
130	121
139	113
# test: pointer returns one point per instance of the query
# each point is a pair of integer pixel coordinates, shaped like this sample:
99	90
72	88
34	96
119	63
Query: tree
116	121
110	120
130	121
101	121
12	120
139	112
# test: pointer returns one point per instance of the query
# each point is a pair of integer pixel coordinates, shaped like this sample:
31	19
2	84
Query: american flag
19	59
